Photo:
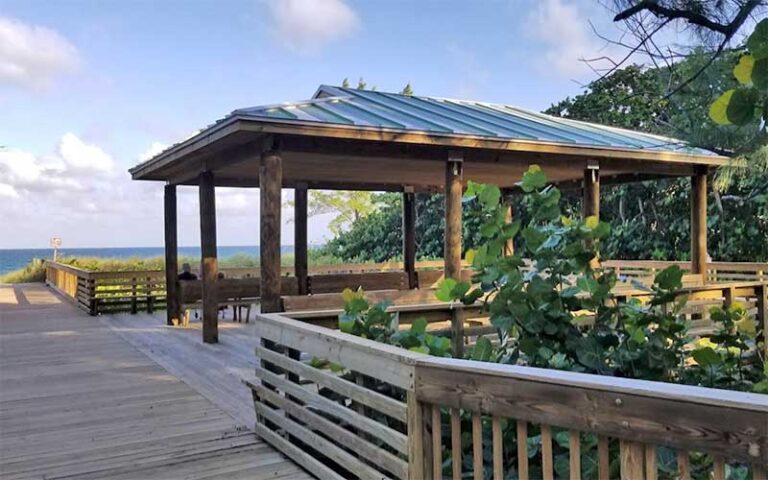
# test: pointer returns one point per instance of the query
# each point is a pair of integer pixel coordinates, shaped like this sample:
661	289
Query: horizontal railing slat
375	400
395	439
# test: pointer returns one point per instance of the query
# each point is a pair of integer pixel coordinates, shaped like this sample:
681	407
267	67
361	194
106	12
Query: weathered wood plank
82	402
386	362
365	396
308	436
391	437
651	412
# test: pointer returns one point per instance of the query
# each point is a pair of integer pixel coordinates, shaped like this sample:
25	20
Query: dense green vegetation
538	317
649	220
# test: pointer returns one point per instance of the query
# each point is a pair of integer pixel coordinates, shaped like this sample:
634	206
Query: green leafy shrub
553	307
374	322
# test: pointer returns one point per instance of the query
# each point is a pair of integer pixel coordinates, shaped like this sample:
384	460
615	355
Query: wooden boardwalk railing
384	412
105	292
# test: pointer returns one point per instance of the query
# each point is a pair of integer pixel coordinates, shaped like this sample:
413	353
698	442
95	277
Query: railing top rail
69	268
392	364
731	424
621	386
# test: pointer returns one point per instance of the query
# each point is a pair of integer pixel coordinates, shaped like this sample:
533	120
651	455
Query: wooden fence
381	412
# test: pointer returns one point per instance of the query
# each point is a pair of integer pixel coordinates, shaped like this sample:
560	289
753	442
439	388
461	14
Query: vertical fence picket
456	444
547	462
477	446
437	447
683	465
522	449
603	458
718	469
498	449
574	447
651	469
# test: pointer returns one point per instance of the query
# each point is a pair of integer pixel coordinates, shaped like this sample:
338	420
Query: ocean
13	259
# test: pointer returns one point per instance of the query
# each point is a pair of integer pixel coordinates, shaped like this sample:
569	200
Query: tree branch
692	17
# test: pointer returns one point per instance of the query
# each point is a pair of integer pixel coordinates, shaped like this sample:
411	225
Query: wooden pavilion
346	139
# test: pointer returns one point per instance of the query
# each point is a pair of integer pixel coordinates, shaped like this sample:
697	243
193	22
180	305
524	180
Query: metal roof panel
367	108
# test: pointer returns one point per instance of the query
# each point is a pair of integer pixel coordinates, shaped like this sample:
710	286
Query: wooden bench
234	292
337	282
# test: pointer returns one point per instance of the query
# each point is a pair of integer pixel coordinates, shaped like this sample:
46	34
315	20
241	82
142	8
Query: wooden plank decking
78	400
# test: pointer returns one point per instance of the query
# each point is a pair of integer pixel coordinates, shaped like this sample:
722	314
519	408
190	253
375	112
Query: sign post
55	244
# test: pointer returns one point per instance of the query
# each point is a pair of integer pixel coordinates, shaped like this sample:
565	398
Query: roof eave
203	138
476	141
238	122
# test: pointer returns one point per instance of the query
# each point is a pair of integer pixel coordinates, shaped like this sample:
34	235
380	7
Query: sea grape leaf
743	70
533	179
757	43
741	106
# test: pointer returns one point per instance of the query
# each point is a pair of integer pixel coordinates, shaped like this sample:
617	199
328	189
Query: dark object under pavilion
346	139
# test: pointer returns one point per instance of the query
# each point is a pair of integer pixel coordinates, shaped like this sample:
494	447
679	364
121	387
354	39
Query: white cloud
82	156
8	191
562	27
31	55
77	171
154	149
80	193
308	25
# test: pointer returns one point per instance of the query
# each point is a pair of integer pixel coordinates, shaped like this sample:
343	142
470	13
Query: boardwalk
78	400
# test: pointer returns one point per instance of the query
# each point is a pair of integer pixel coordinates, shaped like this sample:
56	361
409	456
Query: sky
89	89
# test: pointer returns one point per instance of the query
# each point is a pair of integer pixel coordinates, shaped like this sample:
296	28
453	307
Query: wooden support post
699	222
270	184
761	304
409	236
590	205
591	194
300	245
171	258
509	248
453	192
209	262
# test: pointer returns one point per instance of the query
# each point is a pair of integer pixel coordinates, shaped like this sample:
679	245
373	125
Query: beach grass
35	270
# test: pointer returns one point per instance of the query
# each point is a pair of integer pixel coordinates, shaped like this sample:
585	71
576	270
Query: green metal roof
440	116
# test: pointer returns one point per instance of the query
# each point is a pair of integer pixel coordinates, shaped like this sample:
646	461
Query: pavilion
347	139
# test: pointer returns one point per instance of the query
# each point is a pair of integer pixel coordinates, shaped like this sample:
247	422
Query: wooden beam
591	199
209	261
300	245
271	175
173	308
409	236
699	222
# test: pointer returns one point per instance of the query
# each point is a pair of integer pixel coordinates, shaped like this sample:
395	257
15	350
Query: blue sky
88	88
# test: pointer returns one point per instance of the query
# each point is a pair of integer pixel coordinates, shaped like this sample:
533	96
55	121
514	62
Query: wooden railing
108	292
385	412
103	292
717	272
